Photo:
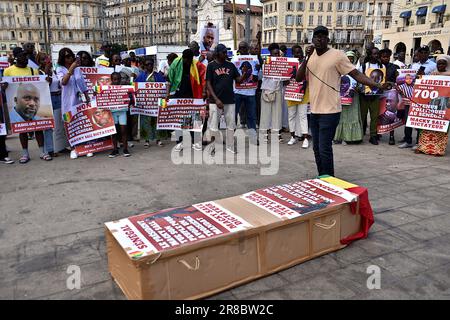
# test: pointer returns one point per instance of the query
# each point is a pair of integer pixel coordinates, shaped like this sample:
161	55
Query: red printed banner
96	76
294	91
289	201
29	104
86	123
113	97
247	65
347	92
388	118
147	96
177	114
171	228
95	146
430	108
4	64
280	67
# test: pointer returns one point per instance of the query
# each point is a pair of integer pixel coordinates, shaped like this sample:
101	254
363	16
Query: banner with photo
177	114
390	116
280	68
86	123
147	96
112	97
248	65
209	38
430	108
378	75
96	76
29	104
348	87
405	84
295	91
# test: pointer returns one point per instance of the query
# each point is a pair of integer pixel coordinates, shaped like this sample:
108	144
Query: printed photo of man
102	118
27	104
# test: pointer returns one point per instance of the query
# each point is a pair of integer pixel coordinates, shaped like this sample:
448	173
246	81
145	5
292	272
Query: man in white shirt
425	65
400	60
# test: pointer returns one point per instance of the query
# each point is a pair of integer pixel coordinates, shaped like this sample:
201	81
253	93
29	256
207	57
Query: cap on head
188	54
424	49
221	48
320	30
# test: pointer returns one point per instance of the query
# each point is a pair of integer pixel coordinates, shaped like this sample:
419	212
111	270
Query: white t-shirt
429	65
400	64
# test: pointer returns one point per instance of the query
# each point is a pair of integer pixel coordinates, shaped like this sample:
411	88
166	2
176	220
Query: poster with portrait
379	76
147	95
181	114
390	116
347	92
209	38
280	68
295	91
112	97
405	84
247	65
430	108
3	131
96	76
29	104
86	123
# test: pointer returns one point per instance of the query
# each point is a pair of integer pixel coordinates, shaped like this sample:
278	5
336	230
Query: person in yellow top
21	69
297	111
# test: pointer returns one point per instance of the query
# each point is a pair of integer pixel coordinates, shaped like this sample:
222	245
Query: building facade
289	22
378	17
140	23
416	23
69	22
220	13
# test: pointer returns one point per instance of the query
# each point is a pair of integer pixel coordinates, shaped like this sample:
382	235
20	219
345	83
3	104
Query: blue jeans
48	134
250	105
323	129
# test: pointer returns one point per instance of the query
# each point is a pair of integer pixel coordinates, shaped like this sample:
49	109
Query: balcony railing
437	25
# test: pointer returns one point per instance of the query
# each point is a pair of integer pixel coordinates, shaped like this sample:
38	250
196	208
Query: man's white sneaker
90	154
178	147
130	144
405	145
197	146
415	147
73	154
305	144
292	141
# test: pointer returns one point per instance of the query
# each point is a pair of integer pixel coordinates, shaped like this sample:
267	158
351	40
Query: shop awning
422	11
439	9
405	14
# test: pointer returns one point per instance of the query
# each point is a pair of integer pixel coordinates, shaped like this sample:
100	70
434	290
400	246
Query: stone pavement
52	216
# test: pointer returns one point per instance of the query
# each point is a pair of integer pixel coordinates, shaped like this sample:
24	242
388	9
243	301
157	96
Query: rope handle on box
326	226
197	264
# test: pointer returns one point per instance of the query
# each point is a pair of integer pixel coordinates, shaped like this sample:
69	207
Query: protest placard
112	97
430	108
405	84
295	91
86	123
177	114
96	76
3	130
147	96
378	75
29	104
209	38
94	146
347	92
249	65
389	117
280	68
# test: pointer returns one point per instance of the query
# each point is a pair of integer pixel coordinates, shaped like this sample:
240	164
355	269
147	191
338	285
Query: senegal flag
67	116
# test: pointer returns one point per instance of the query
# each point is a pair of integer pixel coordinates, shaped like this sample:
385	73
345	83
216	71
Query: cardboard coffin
200	250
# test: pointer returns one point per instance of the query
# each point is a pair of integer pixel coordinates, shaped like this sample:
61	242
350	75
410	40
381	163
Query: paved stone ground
52	215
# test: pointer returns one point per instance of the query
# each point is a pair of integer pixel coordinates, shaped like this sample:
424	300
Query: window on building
311	6
265	36
30	37
299	36
17	8
20	35
58	21
275	21
86	22
289	20
270	36
41	35
328	20
275	6
300	6
380	9
271	7
299	20
290	6
319	20
26	7
386	24
13	35
359	20
350	20
87	35
340	6
37	7
320	6
288	35
339	21
330	6
28	21
388	9
60	37
360	5
311	20
350	6
39	21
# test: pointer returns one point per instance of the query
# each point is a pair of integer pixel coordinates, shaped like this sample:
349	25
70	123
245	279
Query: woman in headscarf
350	125
434	142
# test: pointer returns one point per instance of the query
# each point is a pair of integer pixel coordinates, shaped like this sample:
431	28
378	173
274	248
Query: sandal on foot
24	159
159	143
46	157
